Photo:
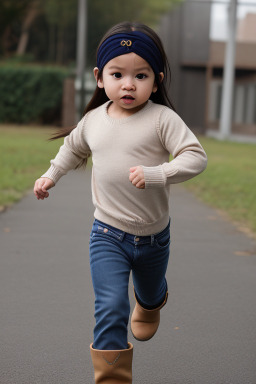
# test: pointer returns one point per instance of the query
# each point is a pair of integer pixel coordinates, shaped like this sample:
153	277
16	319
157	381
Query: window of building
244	102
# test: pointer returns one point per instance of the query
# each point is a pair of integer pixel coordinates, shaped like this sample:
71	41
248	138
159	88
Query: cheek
110	90
151	86
154	85
109	86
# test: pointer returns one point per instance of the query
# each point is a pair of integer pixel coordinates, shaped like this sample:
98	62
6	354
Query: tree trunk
60	45
31	15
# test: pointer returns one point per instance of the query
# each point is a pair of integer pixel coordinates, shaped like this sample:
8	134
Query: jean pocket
163	241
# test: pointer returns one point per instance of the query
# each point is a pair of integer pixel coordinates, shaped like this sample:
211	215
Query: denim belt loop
152	240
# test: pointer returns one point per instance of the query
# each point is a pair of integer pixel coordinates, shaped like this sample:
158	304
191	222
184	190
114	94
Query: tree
31	14
11	15
46	29
103	14
60	14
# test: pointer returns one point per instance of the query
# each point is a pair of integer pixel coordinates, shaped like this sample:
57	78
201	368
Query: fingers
137	177
39	190
41	187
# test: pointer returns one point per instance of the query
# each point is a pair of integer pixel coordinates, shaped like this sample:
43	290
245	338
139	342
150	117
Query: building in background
197	70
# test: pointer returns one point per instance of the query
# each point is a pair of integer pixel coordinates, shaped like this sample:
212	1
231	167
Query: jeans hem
152	307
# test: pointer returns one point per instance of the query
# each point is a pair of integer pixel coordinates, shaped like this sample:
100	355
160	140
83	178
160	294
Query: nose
128	84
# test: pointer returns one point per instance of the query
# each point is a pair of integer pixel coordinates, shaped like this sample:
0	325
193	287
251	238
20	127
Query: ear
98	79
161	77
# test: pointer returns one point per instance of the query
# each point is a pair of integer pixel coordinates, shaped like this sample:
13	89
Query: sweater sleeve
72	154
189	158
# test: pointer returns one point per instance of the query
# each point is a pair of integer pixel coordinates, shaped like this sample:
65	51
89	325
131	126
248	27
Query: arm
189	158
72	154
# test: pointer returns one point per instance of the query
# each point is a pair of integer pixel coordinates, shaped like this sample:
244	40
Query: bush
31	93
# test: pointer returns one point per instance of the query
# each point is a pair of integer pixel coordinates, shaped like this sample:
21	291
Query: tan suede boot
145	322
112	367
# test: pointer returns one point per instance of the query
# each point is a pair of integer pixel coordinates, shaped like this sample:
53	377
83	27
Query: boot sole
142	339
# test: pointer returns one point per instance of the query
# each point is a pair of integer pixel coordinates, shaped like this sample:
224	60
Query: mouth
128	99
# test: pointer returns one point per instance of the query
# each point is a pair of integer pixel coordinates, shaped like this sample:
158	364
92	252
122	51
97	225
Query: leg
110	270
149	271
150	286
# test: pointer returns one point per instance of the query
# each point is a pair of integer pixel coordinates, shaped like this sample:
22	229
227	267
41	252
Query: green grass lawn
228	183
24	155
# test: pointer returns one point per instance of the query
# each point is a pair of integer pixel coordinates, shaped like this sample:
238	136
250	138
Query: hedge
30	93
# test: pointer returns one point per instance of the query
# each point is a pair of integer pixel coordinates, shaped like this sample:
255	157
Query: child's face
128	81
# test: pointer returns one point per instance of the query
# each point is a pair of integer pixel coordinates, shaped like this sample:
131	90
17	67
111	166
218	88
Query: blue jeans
113	255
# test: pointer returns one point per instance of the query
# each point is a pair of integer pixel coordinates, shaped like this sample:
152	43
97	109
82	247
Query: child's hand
137	177
41	187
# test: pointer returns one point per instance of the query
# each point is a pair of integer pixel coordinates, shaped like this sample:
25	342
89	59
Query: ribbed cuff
154	177
53	173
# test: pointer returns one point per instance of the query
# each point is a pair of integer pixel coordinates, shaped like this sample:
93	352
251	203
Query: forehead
128	61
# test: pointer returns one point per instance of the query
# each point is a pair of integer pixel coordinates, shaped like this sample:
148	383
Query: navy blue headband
123	43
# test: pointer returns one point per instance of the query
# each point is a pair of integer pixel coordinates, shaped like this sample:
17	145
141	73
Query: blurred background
40	40
47	53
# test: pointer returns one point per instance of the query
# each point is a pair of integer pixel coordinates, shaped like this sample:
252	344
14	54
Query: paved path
208	328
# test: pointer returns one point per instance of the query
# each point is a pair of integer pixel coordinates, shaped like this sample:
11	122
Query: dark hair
99	96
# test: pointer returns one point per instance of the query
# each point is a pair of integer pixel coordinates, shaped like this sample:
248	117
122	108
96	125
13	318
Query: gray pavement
208	328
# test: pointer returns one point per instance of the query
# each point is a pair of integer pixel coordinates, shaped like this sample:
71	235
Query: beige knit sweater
146	138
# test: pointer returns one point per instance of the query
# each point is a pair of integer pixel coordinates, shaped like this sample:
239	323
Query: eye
141	76
117	75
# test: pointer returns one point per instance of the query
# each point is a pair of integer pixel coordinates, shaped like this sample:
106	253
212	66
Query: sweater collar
124	119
